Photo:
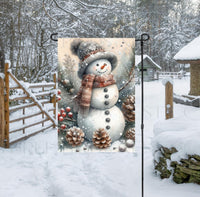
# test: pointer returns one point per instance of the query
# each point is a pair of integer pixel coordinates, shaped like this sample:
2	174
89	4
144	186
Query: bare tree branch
90	6
66	11
43	5
131	76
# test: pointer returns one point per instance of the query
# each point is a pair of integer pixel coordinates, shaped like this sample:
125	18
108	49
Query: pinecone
101	139
130	134
128	108
74	136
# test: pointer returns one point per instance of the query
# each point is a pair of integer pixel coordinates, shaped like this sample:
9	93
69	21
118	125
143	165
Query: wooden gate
30	111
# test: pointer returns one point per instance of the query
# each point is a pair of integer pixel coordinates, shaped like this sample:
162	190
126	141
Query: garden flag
96	108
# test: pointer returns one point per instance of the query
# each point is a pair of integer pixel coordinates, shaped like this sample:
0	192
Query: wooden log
169	100
2	113
189	171
7	106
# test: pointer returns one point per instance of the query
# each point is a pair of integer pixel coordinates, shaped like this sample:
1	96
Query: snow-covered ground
35	168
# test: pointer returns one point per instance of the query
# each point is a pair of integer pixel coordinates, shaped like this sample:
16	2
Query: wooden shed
150	66
190	54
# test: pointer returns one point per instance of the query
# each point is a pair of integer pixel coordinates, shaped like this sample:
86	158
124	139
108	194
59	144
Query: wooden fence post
7	105
54	98
2	113
169	112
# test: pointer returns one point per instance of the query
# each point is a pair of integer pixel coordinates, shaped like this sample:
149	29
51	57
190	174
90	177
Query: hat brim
100	55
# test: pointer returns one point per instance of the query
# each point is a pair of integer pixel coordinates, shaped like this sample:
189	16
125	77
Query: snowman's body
103	112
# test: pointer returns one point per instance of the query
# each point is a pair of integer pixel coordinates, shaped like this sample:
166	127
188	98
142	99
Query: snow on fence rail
171	74
38	99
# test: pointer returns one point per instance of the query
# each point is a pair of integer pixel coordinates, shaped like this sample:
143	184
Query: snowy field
35	168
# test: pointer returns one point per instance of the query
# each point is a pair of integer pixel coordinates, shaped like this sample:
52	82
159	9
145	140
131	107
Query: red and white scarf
90	81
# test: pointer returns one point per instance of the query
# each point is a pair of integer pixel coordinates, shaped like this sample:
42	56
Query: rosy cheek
94	68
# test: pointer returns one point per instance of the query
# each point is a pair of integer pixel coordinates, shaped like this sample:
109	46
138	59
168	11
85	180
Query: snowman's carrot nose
102	67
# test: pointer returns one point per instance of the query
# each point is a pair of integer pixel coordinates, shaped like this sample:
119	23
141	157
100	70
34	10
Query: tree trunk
12	38
2	56
195	79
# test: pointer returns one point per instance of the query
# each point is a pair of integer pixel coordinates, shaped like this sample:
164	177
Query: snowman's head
99	67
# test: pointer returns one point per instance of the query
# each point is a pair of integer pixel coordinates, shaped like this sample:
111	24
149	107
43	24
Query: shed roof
190	52
138	60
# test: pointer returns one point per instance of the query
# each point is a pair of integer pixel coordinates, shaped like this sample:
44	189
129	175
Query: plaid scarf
89	82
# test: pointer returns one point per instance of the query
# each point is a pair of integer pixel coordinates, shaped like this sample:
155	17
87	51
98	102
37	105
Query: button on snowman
99	93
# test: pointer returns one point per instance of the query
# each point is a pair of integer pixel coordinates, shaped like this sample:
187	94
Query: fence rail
170	74
37	95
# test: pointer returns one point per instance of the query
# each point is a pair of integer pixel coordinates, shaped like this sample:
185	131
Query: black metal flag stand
144	37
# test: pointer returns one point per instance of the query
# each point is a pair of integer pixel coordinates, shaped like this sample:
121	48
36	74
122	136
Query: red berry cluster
63	113
59	93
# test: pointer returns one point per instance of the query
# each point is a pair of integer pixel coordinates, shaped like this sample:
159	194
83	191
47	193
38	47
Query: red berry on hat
59	114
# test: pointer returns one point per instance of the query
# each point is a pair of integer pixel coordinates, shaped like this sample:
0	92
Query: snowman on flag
98	94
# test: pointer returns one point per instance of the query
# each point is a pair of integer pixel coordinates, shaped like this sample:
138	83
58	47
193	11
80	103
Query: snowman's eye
97	64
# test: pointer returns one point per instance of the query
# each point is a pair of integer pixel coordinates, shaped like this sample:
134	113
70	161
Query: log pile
185	171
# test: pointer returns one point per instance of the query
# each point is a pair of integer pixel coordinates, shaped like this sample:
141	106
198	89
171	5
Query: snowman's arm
131	76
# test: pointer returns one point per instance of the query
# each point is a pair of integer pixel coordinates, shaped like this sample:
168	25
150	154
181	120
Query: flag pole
144	37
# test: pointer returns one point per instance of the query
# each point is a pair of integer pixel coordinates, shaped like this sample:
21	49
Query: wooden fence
34	98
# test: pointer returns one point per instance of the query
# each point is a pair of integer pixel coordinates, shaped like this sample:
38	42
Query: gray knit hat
89	52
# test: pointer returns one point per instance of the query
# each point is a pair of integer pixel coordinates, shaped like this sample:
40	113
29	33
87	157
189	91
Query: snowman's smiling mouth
101	72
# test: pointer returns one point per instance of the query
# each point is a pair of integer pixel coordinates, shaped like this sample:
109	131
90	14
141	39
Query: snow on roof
190	52
138	60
